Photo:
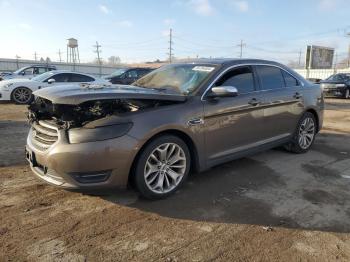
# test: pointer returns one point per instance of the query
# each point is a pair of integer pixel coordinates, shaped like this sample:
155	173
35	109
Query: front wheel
304	136
22	95
347	94
162	167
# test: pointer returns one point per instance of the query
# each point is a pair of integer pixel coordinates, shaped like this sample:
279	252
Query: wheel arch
315	114
195	166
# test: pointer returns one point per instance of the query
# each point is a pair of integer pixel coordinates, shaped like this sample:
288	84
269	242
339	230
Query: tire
347	94
155	177
304	135
21	95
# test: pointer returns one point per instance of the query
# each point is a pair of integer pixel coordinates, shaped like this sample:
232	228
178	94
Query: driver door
233	124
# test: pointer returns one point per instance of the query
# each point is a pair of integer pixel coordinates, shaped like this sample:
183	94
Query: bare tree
114	60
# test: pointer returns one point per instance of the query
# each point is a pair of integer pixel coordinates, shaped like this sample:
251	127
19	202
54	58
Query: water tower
72	51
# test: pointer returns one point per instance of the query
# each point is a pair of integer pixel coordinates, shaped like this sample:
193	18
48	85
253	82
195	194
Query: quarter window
242	78
270	77
289	80
80	78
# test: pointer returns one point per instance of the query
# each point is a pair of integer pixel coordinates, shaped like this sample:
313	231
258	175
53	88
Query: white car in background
20	91
27	72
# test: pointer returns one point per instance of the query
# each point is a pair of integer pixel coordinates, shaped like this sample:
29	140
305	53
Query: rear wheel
22	95
162	167
304	136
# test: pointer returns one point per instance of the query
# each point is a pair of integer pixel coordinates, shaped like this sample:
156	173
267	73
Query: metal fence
320	73
94	69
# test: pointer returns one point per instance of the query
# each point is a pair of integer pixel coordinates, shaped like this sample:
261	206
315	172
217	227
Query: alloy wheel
22	95
306	133
165	168
347	93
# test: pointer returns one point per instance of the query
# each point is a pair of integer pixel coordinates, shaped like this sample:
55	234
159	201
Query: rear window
270	77
80	78
289	79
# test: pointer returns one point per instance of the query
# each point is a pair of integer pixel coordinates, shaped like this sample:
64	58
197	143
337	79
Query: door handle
298	95
254	102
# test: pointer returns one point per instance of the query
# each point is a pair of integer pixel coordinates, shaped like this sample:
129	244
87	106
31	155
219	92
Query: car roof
69	72
45	66
229	61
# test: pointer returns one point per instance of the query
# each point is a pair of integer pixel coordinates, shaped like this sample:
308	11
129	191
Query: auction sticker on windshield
203	68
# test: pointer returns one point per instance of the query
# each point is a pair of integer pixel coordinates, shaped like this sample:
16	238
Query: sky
138	30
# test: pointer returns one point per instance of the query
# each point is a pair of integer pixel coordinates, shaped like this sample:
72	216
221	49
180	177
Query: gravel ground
273	206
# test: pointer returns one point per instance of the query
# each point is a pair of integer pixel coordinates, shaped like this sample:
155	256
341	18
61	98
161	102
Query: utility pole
17	57
35	56
170	46
98	51
348	35
300	53
241	45
335	63
59	54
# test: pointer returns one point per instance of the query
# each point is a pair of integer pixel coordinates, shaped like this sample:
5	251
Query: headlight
340	85
6	87
84	135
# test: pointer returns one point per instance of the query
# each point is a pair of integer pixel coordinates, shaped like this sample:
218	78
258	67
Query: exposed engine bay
70	116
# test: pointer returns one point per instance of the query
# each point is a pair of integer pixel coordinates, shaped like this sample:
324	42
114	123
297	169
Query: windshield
42	77
118	72
183	79
19	70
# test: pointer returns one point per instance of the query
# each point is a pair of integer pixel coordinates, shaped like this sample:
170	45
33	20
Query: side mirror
223	91
23	73
51	81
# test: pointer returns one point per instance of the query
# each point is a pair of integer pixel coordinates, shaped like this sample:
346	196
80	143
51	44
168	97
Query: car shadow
224	193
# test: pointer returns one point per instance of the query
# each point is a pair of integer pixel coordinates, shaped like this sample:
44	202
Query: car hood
77	94
15	80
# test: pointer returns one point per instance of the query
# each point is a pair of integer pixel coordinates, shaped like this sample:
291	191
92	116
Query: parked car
126	76
20	90
28	72
314	80
178	118
337	85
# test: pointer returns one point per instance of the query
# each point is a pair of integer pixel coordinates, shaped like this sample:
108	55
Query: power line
35	56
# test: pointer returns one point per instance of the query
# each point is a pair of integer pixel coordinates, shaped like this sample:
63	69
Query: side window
61	78
338	77
28	71
242	78
270	77
289	79
131	74
40	70
80	78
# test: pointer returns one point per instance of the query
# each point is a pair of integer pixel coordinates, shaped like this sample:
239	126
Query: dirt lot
274	206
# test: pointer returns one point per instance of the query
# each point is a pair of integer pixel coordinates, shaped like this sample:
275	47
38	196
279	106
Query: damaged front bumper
91	165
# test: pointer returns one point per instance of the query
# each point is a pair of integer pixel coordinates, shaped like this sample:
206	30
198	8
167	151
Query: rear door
233	124
282	94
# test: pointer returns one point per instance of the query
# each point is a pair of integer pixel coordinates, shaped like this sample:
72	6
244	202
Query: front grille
44	134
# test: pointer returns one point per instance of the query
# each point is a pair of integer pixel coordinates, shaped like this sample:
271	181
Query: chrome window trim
247	64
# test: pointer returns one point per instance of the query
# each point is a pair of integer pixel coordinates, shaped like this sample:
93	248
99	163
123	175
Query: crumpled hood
76	94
